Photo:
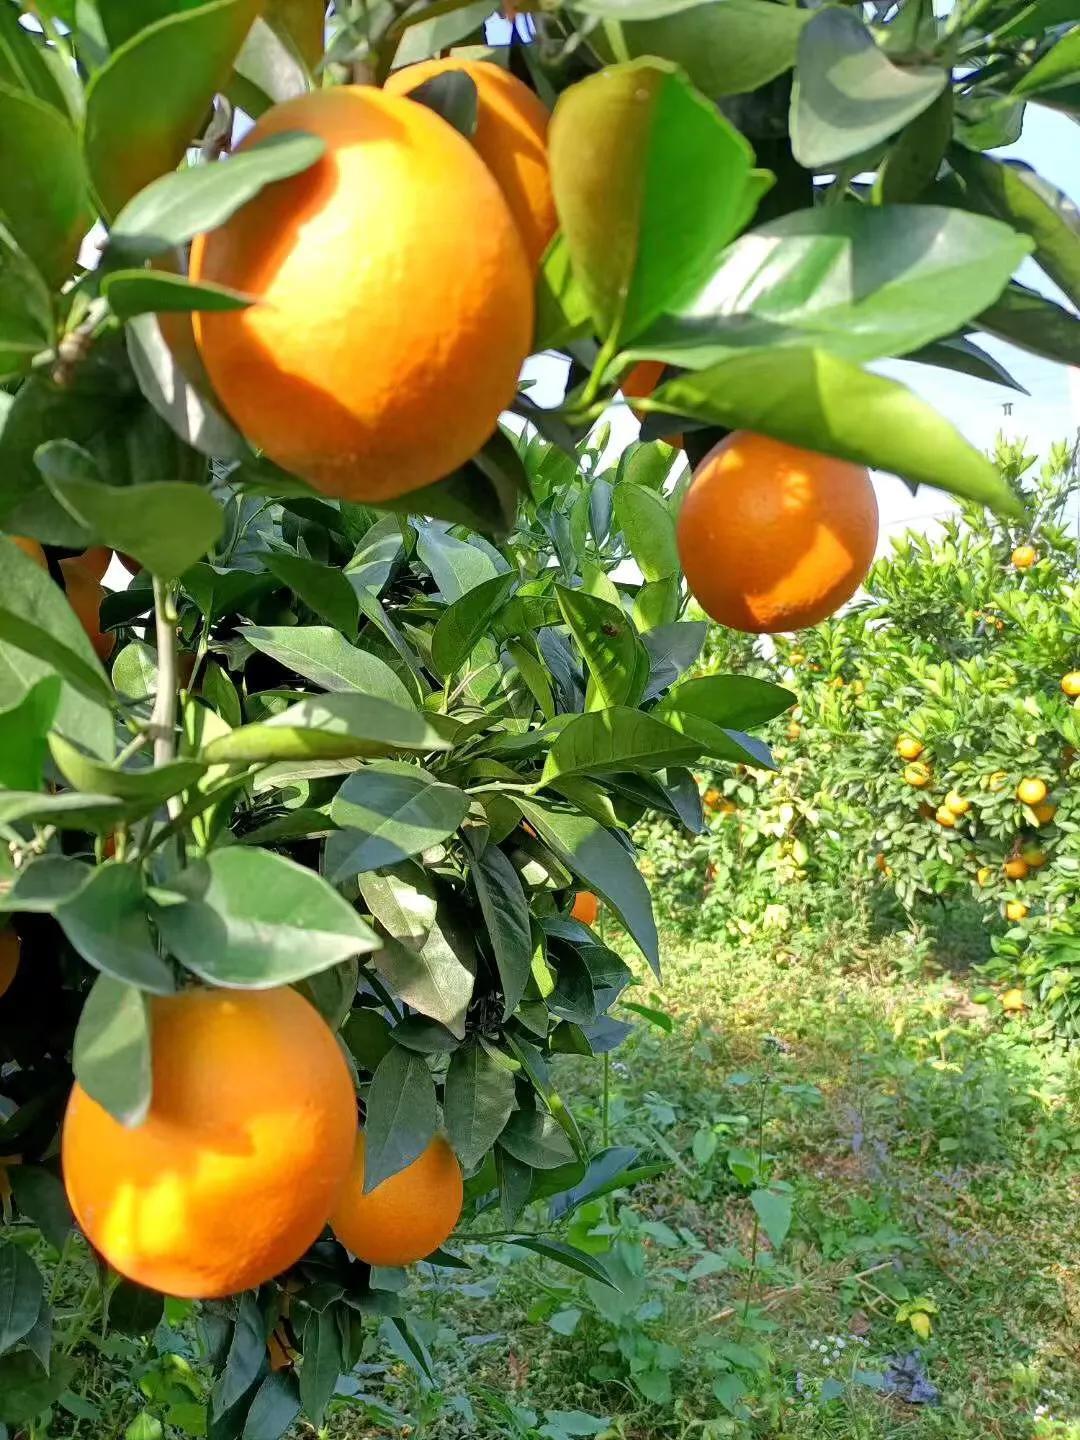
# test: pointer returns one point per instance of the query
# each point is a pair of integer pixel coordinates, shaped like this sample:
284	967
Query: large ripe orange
510	137
395	299
9	959
585	908
241	1158
772	537
85	595
641	379
406	1217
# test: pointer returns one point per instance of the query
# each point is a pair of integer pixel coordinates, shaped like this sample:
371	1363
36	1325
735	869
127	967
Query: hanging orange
510	137
395	300
9	959
85	595
407	1216
585	908
242	1155
772	537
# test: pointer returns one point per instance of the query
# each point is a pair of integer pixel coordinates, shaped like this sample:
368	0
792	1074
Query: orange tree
300	814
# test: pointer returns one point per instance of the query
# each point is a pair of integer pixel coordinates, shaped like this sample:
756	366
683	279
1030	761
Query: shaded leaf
111	1055
478	1099
400	1115
389	814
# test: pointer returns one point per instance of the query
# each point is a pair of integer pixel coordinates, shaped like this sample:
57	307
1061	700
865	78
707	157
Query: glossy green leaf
41	1197
387	814
326	658
534	1138
22	1293
174	208
617	661
1058	67
456	566
43	196
742	701
23	730
604	865
107	923
914	160
1024	317
506	915
322	587
615	739
188	413
562	309
24	62
677	185
141	790
814	399
25	1388
261	920
164	525
167	74
646	521
324	1361
336	726
400	1117
773	1209
860	281
138	292
112	1049
464	623
135	671
673	649
67	811
26	314
848	96
477	1101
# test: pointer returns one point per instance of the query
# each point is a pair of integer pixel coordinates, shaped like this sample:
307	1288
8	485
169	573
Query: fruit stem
163	716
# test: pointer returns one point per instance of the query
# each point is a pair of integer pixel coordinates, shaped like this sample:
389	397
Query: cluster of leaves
964	653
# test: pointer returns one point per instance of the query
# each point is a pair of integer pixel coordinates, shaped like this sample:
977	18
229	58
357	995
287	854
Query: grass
932	1153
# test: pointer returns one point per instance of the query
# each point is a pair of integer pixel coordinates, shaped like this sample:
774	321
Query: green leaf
464	623
135	671
324	1361
477	1101
562	310
1019	196
21	1293
24	62
26	315
106	921
1058	67
847	95
134	1310
616	739
43	196
646	521
138	292
389	813
219	690
167	74
773	1209
41	1197
187	412
725	49
506	915
400	1115
418	961
26	1390
1025	318
246	1354
164	525
742	701
860	281
322	587
515	1185
326	658
24	727
568	1255
66	811
262	920
672	650
483	494
536	1139
40	636
455	565
816	400
959	354
140	790
606	867
617	660
174	208
677	185
329	726
111	1056
275	1407
452	96
914	160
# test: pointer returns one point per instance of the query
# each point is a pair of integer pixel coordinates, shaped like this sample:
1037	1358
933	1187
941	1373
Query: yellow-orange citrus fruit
984	875
1016	867
727	807
945	817
1031	792
406	1217
31	548
917	774
1013	998
712	799
1034	858
586	907
394	299
92	563
241	1158
796	658
794	730
85	595
641	380
1023	557
1070	683
772	537
510	137
908	748
1016	910
957	803
880	862
9	959
996	781
1045	812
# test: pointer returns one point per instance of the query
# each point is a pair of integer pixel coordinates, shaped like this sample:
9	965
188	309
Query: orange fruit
1045	812
796	658
772	537
996	781
406	1217
510	137
641	380
1023	557
880	862
945	817
1016	910
984	875
794	730
85	595
9	959
917	774
1016	867
92	563
585	908
1033	857
1031	792
395	299
1012	999
957	803
1070	683
242	1155
31	548
712	799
